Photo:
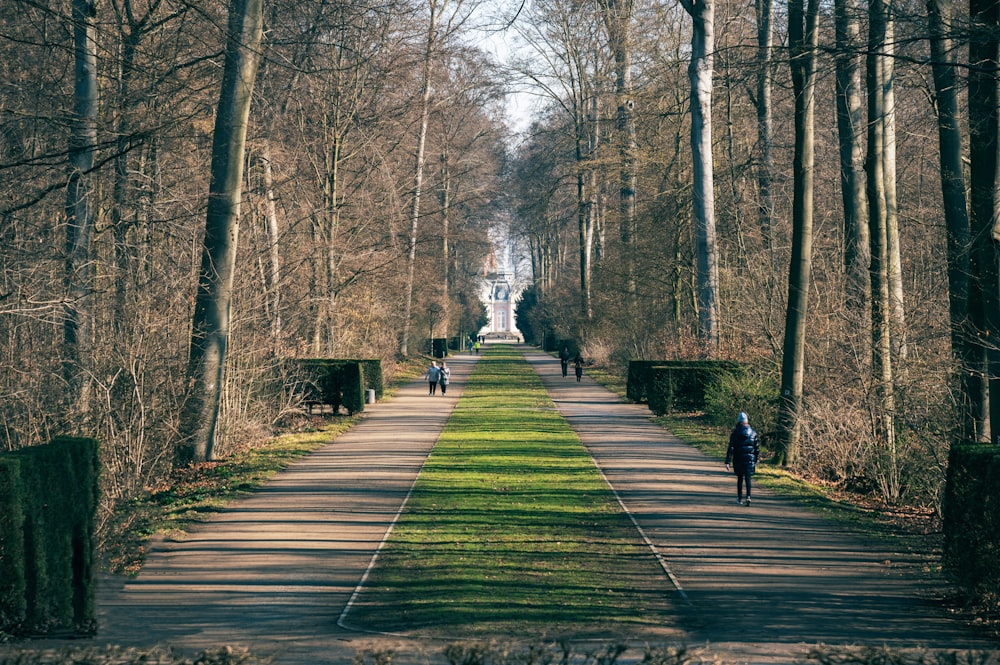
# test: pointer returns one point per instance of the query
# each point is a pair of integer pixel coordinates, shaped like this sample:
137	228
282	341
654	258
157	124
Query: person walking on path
578	367
444	377
743	453
475	347
564	359
433	376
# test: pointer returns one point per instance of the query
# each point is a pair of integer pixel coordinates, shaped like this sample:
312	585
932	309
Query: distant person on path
578	367
564	359
445	377
433	375
743	453
475	346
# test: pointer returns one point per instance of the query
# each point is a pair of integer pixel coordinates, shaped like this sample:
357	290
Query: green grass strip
511	529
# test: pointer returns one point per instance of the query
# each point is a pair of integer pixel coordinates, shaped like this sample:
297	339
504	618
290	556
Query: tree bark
984	298
617	19
850	123
882	374
210	323
77	315
897	308
802	41
764	11
273	247
969	359
706	251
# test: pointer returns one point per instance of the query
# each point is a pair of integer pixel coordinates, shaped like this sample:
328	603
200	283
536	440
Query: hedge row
971	555
339	382
675	385
48	499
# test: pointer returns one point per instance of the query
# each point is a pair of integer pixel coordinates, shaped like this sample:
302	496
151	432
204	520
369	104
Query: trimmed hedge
48	499
371	373
339	382
680	385
352	388
639	374
971	554
13	603
439	346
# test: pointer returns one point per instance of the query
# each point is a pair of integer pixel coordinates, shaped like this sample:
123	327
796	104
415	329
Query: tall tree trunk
984	294
850	124
764	10
706	252
882	375
418	174
617	19
972	386
273	247
80	193
210	323
585	219
802	40
331	232
120	193
445	200
897	309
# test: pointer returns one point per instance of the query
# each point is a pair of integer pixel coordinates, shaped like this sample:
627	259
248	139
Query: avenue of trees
193	191
806	187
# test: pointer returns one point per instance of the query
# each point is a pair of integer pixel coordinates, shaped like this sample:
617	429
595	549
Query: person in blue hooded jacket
742	455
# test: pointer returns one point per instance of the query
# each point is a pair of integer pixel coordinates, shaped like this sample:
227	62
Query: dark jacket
744	448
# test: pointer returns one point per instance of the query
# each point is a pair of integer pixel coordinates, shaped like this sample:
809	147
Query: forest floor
769	583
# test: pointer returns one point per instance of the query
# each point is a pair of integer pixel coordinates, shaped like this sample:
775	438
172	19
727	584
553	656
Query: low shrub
753	391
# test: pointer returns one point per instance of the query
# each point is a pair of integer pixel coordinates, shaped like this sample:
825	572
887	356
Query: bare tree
617	20
764	12
969	358
80	195
875	168
700	70
984	169
850	123
897	308
210	323
802	41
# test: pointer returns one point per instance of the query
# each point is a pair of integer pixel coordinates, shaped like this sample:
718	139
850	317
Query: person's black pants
743	475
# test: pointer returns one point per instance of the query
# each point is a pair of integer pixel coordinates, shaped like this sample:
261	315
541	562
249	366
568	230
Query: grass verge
511	529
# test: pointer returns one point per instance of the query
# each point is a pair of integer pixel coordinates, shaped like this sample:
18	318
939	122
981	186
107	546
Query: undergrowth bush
754	392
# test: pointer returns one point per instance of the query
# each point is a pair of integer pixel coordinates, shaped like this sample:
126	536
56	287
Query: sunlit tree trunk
897	308
802	40
273	247
764	10
882	330
418	171
618	19
706	251
210	324
850	128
